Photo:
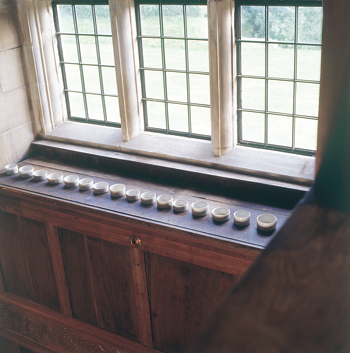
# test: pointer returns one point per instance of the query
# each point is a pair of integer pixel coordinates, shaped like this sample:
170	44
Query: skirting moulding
49	333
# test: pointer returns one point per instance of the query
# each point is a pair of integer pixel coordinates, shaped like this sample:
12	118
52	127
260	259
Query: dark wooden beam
295	298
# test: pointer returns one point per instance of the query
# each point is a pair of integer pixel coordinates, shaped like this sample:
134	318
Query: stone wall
17	128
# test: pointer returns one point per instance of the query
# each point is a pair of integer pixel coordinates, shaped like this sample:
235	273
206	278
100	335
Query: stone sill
279	166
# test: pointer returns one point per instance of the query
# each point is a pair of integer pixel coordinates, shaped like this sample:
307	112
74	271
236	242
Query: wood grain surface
58	267
113	288
181	298
79	280
208	251
7	346
295	298
25	260
47	331
227	230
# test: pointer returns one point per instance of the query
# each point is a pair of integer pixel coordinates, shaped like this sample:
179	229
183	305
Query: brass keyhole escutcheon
135	241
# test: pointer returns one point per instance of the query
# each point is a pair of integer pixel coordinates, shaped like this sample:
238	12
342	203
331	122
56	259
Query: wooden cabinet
73	278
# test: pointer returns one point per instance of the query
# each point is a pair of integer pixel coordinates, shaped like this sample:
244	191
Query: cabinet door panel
75	259
114	288
26	261
182	296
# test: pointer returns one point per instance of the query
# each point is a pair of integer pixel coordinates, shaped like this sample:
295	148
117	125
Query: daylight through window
278	62
174	61
87	62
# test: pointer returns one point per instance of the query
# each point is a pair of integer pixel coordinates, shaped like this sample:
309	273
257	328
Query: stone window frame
222	152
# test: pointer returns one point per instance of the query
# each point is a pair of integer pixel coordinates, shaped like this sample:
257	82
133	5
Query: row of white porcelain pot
265	222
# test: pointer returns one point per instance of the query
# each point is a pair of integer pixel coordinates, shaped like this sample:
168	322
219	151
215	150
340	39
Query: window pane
154	84
109	80
198	55
150	20
309	62
177	88
253	94
84	19
173	20
69	48
280	96
112	109
76	104
280	130
310	25
175	54
88	50
199	89
65	18
253	127
197	21
253	22
253	59
92	79
152	54
307	99
306	134
73	77
281	23
94	103
178	117
106	50
156	115
200	120
281	60
103	20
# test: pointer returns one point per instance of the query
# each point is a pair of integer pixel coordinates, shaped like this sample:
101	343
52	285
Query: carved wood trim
57	332
58	267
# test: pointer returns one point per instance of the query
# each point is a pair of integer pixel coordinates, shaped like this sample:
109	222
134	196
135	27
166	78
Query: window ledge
279	166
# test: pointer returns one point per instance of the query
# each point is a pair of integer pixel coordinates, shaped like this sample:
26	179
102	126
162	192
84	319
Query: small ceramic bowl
133	195
221	214
55	178
164	201
180	205
117	190
26	171
11	169
266	222
148	198
40	175
100	188
241	218
200	208
71	181
86	184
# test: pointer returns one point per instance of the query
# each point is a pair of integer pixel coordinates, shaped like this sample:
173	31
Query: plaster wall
17	128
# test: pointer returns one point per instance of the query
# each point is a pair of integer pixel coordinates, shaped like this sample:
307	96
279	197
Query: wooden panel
58	267
40	263
295	298
79	281
7	346
114	290
212	252
181	297
25	350
46	331
25	260
14	265
141	295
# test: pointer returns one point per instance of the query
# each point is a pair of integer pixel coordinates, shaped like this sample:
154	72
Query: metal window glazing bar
162	37
80	62
295	80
